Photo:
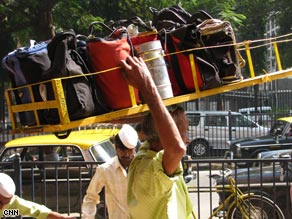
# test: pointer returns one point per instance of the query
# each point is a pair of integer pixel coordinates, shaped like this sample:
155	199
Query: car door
285	139
242	127
216	130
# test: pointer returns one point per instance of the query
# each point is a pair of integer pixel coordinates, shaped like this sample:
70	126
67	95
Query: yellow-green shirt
27	208
151	193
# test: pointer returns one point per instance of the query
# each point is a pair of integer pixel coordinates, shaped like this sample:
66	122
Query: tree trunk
44	28
44	25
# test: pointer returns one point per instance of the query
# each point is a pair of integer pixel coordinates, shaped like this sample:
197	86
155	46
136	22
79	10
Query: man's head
180	119
139	130
126	141
7	189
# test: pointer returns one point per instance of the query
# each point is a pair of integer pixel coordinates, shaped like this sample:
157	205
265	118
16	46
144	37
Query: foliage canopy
22	20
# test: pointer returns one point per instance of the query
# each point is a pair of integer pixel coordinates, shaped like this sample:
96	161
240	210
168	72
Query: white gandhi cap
7	186
128	136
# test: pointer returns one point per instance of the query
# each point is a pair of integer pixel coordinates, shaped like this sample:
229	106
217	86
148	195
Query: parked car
209	130
274	154
272	181
60	185
261	115
279	137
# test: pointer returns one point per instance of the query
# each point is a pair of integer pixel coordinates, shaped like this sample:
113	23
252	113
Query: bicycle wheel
256	207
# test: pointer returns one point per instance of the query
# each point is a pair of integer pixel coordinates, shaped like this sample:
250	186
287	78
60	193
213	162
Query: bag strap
79	61
52	45
175	64
209	80
96	93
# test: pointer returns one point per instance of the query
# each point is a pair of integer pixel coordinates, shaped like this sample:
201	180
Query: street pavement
203	199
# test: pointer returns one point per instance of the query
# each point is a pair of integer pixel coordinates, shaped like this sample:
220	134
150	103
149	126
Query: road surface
203	201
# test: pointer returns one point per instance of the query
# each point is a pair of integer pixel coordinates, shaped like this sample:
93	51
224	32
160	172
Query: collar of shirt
116	163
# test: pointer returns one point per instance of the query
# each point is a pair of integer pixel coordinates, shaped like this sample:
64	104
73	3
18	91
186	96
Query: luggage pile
184	53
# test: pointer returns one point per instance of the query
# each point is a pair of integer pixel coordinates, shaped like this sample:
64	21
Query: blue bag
25	66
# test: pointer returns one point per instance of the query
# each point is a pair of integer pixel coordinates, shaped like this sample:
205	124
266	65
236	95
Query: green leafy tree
21	20
253	28
27	19
124	9
221	9
74	14
283	13
39	20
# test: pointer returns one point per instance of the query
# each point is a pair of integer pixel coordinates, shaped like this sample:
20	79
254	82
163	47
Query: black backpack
169	18
217	65
78	88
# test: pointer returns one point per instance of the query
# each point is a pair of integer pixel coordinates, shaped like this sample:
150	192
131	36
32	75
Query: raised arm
138	75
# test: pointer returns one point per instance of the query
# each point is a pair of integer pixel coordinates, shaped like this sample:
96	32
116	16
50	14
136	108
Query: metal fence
211	130
62	185
212	136
57	185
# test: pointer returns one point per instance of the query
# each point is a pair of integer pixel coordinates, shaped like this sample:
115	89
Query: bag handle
113	33
199	17
60	37
174	13
137	21
103	25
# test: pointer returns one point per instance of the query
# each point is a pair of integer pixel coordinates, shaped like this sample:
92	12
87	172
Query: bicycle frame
235	198
237	204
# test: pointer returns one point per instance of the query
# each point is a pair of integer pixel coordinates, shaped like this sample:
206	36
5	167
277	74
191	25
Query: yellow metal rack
135	110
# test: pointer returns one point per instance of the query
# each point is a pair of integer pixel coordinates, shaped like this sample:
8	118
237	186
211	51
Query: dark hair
118	143
138	127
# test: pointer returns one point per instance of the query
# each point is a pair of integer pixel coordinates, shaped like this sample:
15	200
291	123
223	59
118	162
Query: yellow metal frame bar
128	113
137	110
249	59
58	103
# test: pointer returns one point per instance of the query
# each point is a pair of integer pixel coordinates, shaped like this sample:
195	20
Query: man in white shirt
113	176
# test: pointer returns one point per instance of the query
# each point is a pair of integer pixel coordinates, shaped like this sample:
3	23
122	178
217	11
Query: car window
50	153
61	153
9	154
278	125
43	153
71	153
194	119
103	152
240	121
215	120
26	154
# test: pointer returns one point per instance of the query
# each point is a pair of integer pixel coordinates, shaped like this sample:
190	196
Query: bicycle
239	205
